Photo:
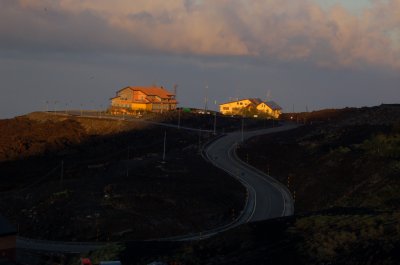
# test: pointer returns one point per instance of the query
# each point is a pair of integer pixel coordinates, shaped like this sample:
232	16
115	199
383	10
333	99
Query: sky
303	54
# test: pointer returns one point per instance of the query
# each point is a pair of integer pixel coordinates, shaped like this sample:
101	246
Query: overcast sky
304	53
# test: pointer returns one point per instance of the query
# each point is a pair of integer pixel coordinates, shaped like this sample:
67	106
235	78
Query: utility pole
179	118
292	117
100	111
242	129
215	123
62	172
199	140
127	162
306	115
205	100
165	145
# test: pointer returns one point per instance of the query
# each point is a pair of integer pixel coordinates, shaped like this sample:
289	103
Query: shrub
385	146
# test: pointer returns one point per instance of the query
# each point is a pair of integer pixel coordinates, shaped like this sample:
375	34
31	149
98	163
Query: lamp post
100	111
165	145
55	107
215	123
199	140
205	99
62	172
179	119
242	129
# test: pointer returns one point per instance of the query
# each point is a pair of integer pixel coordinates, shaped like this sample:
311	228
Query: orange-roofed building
138	99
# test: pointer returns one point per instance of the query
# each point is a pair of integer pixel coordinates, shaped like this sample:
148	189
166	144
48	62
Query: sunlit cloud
285	30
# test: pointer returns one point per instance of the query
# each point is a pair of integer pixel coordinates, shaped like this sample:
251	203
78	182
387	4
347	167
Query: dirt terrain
343	168
83	179
350	158
344	173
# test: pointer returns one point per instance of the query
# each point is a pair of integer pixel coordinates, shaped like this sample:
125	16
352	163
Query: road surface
267	198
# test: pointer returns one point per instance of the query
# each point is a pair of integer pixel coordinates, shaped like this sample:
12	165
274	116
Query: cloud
285	30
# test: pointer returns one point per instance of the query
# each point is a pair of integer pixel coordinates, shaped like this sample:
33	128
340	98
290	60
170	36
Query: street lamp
179	118
215	123
165	145
242	129
55	106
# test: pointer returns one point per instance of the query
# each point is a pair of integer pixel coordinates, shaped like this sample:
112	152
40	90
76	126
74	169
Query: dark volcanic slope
87	179
345	172
353	160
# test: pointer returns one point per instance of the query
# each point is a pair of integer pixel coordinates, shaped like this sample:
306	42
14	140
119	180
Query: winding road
266	197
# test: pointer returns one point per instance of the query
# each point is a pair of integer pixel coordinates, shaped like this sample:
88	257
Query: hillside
343	168
85	179
348	160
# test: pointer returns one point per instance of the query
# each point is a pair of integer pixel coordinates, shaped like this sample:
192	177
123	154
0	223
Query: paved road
266	198
56	246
